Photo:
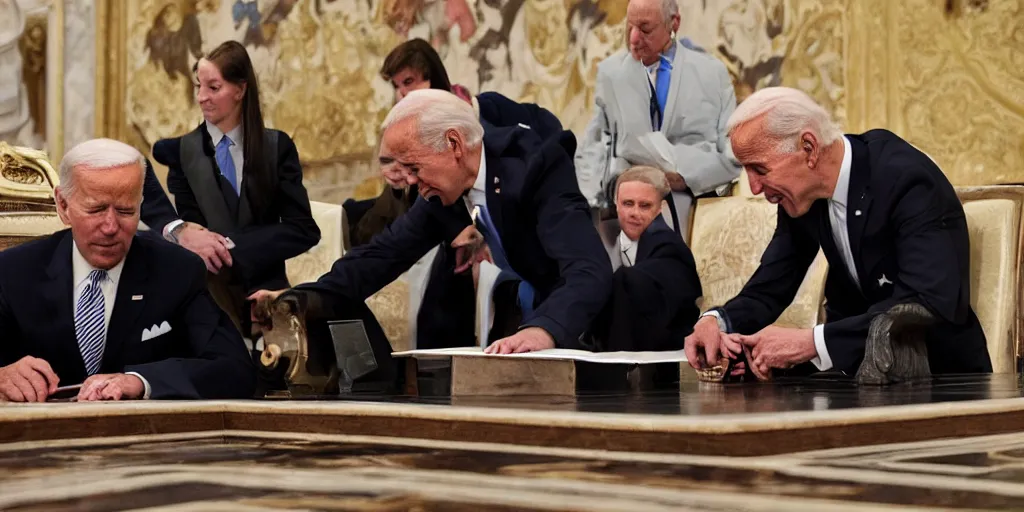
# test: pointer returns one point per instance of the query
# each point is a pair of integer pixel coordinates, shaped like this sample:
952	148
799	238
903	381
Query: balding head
651	27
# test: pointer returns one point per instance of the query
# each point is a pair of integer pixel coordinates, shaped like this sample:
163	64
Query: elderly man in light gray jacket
660	104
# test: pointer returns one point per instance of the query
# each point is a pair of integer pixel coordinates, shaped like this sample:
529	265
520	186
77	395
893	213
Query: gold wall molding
111	38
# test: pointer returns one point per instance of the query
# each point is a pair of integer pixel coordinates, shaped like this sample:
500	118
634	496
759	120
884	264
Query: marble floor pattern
260	471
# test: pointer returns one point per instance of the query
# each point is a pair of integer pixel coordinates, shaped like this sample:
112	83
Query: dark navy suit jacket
908	236
202	356
545	228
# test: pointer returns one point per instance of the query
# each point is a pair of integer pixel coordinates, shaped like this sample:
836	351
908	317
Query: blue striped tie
90	322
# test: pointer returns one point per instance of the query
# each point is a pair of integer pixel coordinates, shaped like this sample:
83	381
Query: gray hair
788	112
97	155
668	8
437	111
645	174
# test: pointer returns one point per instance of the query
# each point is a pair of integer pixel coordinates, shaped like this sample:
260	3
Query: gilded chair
27	208
997	247
390	305
729	234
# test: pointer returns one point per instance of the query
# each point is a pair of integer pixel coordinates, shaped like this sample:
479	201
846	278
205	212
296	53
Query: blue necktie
661	85
90	322
225	162
486	227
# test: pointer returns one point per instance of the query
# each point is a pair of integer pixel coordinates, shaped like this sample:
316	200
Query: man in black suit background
521	192
889	223
129	316
655	287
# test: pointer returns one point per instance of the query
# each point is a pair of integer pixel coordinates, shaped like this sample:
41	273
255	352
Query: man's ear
62	206
454	142
674	23
809	146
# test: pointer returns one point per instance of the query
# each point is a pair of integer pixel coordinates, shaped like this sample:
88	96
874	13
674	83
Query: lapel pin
856	213
883	281
497	191
495	180
136	297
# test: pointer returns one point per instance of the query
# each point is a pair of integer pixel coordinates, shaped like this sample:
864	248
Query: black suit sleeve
220	366
668	278
366	269
933	252
775	282
9	328
567	234
499	110
156	211
167	153
261	247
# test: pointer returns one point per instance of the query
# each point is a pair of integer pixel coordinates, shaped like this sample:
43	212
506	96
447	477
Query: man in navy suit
521	192
128	317
886	218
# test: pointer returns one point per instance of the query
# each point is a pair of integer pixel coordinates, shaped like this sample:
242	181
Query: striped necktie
90	322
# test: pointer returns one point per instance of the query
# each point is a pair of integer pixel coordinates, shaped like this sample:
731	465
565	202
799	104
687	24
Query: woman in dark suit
235	177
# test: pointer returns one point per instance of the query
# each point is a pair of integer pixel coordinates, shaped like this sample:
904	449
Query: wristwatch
172	234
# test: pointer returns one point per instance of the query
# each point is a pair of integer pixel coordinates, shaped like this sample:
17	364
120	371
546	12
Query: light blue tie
661	85
90	322
225	162
486	227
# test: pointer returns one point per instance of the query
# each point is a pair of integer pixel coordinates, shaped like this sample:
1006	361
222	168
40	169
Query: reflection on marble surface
286	472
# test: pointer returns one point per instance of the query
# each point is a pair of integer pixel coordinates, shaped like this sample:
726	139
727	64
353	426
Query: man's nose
755	183
411	178
634	36
109	225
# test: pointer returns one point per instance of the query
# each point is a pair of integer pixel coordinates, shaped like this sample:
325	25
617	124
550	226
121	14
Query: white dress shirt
237	156
80	279
841	236
627	250
478	194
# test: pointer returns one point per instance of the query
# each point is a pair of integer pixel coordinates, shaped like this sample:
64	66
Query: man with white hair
660	104
127	317
521	193
889	223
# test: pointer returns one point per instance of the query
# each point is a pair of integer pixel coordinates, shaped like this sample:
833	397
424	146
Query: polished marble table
954	442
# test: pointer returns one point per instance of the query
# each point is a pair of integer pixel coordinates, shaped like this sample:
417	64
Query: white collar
480	185
625	243
81	268
216	135
842	190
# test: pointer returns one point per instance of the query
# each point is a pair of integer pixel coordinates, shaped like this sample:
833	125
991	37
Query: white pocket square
156	330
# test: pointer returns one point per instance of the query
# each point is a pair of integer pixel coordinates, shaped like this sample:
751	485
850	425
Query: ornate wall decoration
873	63
33	69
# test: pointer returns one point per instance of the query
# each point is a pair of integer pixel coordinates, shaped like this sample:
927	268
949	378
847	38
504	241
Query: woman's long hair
417	54
234	64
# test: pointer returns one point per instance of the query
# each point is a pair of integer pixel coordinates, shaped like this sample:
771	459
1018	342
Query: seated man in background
655	287
129	316
889	223
522	194
660	103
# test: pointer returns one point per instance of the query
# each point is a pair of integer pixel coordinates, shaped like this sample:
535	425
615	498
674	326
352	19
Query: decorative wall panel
873	63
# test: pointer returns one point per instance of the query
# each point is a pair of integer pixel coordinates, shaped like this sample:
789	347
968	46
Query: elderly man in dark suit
522	194
889	223
129	316
655	286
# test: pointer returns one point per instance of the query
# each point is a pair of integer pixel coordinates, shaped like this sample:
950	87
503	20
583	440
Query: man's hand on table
530	339
776	347
30	379
211	247
111	386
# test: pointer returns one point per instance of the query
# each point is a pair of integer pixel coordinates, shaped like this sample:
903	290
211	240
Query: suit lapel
204	180
680	75
636	97
858	202
130	287
60	290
